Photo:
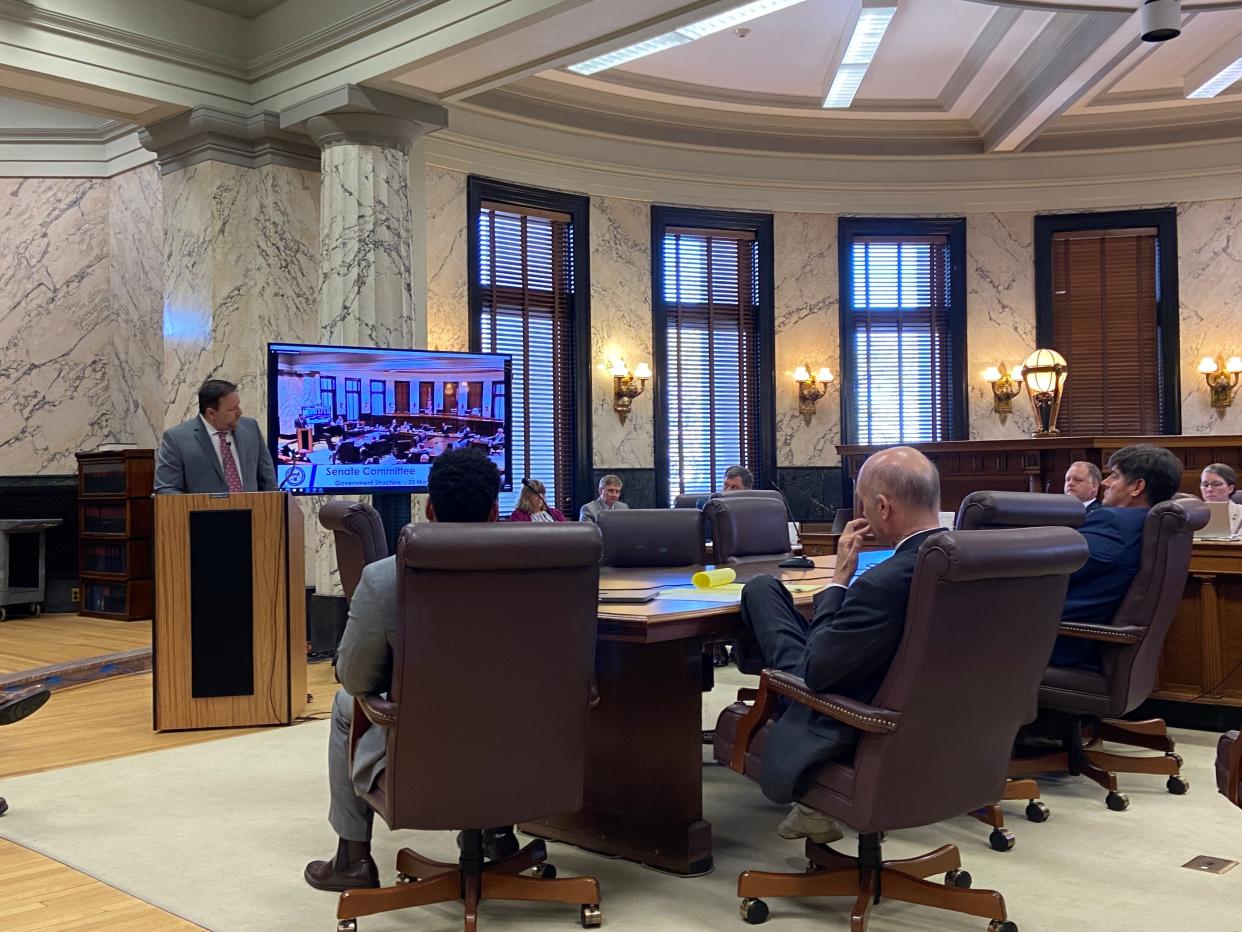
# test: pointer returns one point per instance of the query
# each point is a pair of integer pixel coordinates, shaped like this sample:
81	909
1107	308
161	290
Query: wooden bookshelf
115	534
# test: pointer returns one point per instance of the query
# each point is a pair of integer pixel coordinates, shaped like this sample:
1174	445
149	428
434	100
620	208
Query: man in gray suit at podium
218	451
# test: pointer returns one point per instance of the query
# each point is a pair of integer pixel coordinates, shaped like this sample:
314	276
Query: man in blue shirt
1139	477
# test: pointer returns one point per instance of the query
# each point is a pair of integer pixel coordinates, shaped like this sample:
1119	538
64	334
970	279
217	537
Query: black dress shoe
18	704
324	875
4	807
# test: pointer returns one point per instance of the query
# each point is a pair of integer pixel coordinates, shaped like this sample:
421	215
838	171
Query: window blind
526	265
710	294
1104	322
898	327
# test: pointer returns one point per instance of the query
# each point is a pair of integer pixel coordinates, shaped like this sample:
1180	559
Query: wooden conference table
643	794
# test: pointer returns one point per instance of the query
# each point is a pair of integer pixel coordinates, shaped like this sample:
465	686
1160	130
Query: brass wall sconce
1222	379
1005	388
811	388
1044	373
626	386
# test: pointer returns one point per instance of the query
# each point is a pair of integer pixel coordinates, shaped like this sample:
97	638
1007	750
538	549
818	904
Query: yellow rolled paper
710	579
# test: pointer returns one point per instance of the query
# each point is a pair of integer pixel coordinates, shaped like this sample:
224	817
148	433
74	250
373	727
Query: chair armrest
774	684
849	711
378	710
1111	634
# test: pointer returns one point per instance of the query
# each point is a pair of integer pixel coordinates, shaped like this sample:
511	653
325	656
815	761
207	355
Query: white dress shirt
215	443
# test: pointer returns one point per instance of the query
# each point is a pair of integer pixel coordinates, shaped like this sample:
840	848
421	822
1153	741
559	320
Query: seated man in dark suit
462	486
1139	477
851	639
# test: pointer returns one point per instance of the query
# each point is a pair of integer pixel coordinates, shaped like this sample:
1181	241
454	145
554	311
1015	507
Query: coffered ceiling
949	77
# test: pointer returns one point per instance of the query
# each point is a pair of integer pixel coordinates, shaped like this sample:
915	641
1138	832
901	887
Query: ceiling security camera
1162	20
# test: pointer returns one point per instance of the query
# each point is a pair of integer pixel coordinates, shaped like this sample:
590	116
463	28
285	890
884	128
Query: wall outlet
75	595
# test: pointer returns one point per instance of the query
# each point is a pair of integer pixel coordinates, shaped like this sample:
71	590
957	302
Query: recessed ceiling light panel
629	53
864	43
1220	81
734	17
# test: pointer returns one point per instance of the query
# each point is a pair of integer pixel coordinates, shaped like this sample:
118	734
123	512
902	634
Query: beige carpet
219	833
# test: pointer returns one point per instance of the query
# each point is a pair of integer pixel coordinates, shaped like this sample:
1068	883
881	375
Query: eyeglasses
1213	485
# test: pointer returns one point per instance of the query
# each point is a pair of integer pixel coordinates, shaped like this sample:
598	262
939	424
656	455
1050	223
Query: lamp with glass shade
1044	374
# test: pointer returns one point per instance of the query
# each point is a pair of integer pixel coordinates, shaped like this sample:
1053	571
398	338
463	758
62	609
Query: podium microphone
793	563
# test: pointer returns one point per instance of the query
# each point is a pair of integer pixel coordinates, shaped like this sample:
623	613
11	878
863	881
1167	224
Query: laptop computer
868	559
1217	527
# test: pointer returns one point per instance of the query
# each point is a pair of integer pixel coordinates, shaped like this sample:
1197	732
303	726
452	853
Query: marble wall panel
1000	315
136	284
620	327
241	266
448	308
807	331
1209	269
57	325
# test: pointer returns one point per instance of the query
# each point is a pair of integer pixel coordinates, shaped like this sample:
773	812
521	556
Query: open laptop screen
868	559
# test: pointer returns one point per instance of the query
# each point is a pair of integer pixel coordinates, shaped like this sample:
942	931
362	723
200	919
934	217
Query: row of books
104	558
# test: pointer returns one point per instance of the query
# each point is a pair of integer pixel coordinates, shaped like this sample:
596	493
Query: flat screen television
345	419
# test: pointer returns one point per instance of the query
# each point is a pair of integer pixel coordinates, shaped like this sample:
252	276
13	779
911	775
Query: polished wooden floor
96	721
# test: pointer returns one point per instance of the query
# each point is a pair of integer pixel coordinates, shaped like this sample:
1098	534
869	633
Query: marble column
240	206
366	229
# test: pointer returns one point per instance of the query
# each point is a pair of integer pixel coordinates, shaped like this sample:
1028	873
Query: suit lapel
209	449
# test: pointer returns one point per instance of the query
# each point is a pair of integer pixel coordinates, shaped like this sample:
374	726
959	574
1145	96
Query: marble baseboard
814	493
638	488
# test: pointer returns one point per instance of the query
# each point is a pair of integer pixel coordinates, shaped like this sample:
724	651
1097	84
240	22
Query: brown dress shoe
325	875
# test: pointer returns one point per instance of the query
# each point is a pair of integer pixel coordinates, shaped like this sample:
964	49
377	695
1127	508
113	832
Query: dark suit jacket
1114	545
851	641
1094	505
187	461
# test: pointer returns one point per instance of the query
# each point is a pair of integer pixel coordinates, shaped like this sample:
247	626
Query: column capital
204	134
359	115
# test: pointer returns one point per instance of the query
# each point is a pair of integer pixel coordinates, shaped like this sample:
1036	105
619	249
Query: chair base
422	882
1001	839
869	879
1085	756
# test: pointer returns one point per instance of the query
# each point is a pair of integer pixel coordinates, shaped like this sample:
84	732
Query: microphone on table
793	563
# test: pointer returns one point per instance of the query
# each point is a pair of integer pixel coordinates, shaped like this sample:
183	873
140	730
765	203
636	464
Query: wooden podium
230	615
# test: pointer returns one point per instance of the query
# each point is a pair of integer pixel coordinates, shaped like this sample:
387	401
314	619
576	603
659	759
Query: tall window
528	299
378	397
1104	304
714	334
353	398
327	394
903	330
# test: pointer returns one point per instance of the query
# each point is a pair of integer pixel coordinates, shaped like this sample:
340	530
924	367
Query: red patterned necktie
231	476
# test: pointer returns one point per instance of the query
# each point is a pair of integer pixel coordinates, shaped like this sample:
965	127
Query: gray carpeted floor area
219	832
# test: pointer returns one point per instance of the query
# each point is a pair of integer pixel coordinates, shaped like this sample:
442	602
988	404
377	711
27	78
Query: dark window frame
955	229
762	226
478	190
1168	303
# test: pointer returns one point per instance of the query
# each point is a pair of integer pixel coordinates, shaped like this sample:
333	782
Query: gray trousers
349	814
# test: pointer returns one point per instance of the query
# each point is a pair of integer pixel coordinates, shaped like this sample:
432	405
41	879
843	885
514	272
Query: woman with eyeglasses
532	506
1217	483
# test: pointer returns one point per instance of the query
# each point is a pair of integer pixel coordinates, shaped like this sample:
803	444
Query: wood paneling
279	614
1202	659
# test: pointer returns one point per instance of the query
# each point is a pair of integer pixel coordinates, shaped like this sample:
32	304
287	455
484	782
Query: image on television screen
356	420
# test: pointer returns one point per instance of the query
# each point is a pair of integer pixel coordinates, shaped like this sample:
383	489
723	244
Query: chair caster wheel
347	925
1176	757
1001	840
1002	925
544	871
36	609
406	878
591	917
958	878
754	910
1118	802
1177	785
1036	811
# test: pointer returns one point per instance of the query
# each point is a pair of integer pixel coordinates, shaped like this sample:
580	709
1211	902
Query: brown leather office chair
359	536
1229	767
1131	646
466	676
747	527
652	537
691	500
945	700
996	511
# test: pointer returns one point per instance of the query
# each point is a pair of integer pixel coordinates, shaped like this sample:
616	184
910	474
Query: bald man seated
847	646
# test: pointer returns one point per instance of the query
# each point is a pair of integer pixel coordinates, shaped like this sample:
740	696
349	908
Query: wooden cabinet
115	533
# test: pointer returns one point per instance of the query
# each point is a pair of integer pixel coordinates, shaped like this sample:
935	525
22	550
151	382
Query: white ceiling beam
1073	53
